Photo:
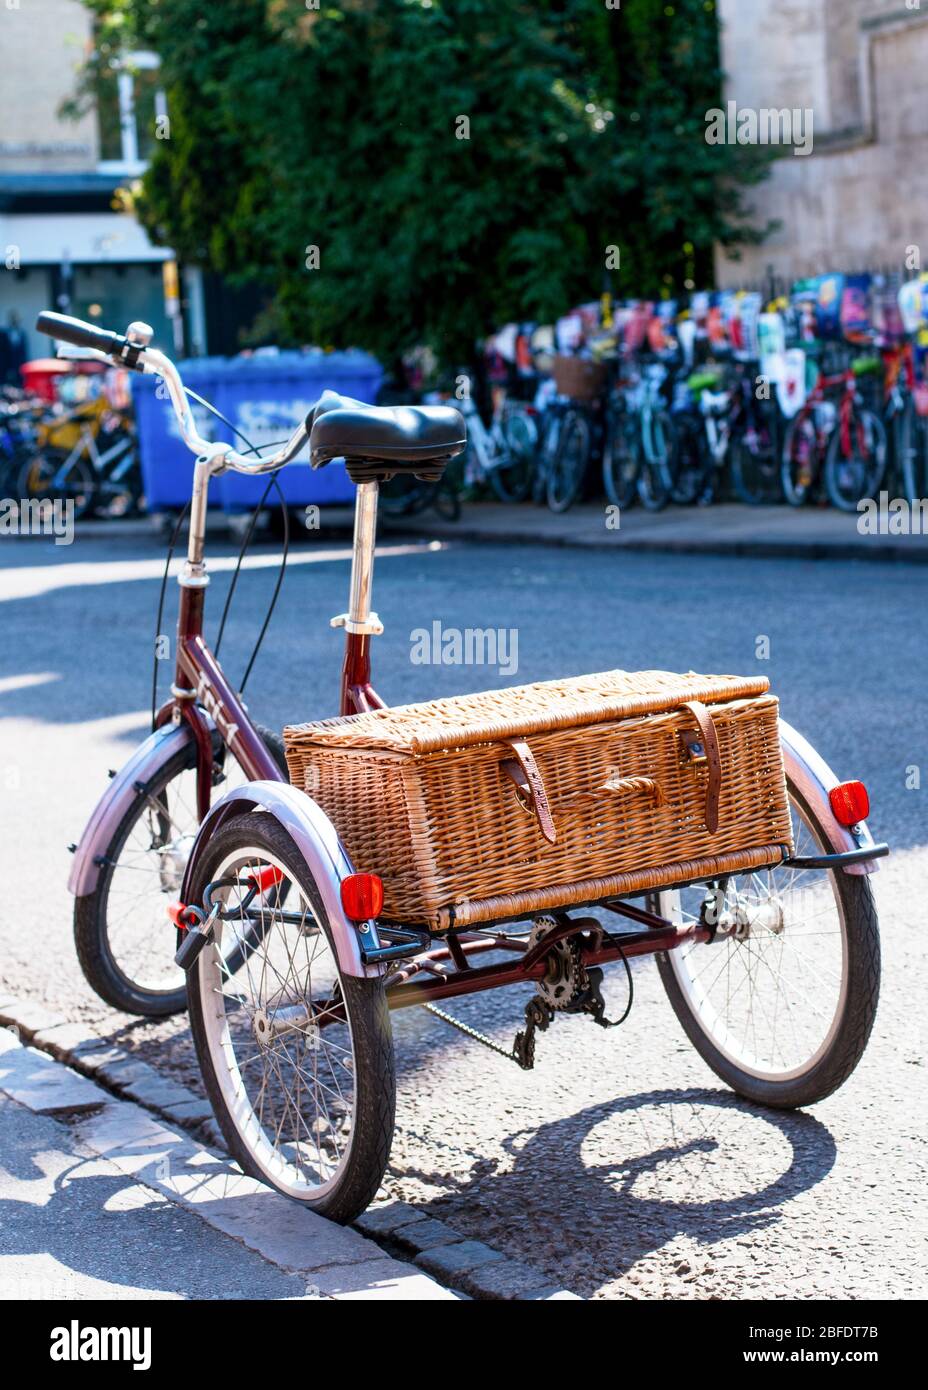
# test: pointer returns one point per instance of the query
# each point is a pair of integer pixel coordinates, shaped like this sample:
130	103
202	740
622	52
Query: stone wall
42	43
861	198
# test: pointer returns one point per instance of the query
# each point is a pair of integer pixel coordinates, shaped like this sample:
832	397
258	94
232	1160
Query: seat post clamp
371	626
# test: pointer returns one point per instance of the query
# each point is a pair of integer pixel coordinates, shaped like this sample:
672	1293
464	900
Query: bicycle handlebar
78	333
133	351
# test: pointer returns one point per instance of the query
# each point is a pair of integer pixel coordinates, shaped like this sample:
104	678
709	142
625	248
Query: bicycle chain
469	1032
538	1014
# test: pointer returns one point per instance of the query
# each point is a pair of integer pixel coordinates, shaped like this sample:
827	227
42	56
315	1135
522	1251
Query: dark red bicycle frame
200	681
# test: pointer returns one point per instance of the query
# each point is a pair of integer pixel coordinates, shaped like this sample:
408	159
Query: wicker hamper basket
483	807
578	377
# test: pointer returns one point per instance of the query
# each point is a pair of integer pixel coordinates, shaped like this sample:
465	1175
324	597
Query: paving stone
66	1040
189	1112
93	1059
126	1071
507	1279
379	1279
425	1235
45	1086
134	1139
381	1221
160	1092
280	1230
29	1017
450	1262
551	1294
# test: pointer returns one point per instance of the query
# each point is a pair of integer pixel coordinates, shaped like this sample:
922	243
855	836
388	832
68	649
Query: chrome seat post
360	619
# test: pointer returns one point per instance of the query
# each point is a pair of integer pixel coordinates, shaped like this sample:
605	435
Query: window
132	112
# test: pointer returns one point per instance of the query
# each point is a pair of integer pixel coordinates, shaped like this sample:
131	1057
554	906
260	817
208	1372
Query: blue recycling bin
265	396
167	463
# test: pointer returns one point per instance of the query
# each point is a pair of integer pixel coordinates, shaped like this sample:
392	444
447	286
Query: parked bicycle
839	442
99	471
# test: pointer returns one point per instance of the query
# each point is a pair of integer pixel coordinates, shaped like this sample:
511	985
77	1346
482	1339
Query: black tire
365	1004
692	466
850	479
655	476
755	472
855	1015
621	458
911	434
399	495
569	465
799	461
36	480
512	481
446	502
97	957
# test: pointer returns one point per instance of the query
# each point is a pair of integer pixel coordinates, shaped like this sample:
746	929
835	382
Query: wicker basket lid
461	720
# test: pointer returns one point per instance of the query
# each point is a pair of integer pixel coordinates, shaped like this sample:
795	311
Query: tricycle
293	964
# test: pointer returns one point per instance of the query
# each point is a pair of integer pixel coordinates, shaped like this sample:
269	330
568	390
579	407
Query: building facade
63	243
859	200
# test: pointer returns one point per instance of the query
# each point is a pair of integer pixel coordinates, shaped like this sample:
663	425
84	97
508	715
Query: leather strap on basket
530	788
710	742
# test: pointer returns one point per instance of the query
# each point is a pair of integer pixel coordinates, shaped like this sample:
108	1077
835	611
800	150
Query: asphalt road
620	1164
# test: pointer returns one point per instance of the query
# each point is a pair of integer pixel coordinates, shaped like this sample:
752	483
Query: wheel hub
748	918
172	862
295	1018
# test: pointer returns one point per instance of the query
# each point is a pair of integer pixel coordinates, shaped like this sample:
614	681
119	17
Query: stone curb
762	549
438	1249
335	1261
464	1264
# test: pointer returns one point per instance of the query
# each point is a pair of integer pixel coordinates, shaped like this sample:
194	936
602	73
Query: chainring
565	978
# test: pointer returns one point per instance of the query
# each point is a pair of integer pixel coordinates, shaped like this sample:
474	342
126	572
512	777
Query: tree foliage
456	163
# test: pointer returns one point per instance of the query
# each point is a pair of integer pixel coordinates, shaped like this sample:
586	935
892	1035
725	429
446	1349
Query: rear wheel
755	472
781	1005
692	463
621	458
42	477
297	1058
569	465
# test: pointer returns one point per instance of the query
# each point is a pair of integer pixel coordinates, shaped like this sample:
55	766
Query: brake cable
272	481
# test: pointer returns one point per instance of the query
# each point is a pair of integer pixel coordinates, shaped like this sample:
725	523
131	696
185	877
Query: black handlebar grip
79	333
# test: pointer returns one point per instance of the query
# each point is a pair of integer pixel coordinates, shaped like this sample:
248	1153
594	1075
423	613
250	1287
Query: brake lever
83	354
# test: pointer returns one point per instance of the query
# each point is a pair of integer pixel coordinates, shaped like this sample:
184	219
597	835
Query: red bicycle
841	442
292	971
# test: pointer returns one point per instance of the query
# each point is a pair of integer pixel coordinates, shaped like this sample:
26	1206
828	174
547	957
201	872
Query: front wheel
297	1058
780	1005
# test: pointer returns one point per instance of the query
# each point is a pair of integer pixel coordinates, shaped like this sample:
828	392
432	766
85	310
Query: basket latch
703	748
530	788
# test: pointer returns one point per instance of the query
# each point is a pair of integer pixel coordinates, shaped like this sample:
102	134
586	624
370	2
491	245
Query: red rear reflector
264	879
362	896
850	802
